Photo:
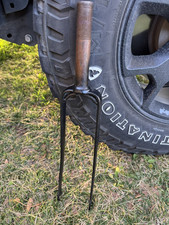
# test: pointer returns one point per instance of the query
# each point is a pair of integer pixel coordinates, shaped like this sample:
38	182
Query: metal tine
83	46
97	131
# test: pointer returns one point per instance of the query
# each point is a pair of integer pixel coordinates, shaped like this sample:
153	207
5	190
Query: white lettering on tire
122	125
156	139
102	90
165	141
145	136
115	117
133	130
109	109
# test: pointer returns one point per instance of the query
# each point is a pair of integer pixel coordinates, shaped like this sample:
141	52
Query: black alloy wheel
151	59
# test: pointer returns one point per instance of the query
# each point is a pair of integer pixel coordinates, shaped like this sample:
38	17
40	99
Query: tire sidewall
122	120
122	126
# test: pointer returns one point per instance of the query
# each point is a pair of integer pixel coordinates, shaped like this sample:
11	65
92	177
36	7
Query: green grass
128	190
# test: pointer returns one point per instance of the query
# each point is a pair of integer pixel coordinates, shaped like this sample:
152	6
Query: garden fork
83	46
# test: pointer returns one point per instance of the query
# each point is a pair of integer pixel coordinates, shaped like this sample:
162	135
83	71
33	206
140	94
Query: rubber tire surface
122	127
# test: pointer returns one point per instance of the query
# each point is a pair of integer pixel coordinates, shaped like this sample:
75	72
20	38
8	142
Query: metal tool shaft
83	43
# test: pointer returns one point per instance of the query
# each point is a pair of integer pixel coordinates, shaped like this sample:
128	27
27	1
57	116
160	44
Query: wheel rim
149	100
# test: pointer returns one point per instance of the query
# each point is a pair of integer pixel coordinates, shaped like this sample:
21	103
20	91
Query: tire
123	126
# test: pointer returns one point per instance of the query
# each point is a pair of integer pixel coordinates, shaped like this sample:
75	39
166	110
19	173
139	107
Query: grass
128	189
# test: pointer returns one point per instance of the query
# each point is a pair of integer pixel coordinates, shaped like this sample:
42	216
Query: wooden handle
83	43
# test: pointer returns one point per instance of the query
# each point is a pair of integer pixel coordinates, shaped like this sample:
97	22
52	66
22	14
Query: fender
16	21
11	6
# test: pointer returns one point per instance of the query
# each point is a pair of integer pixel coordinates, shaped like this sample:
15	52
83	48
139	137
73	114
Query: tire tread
56	27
